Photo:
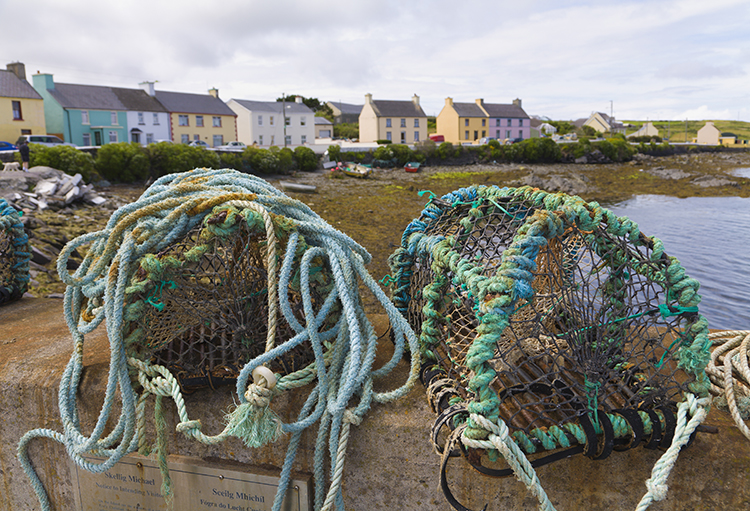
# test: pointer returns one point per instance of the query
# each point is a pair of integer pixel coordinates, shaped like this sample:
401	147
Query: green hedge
66	158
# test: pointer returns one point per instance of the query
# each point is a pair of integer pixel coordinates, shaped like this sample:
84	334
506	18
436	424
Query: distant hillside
676	130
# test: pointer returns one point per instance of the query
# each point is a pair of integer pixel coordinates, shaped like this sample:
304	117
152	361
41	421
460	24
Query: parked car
45	140
7	147
232	146
509	141
485	140
199	143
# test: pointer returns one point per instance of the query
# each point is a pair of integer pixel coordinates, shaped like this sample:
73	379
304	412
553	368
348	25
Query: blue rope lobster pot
15	254
548	327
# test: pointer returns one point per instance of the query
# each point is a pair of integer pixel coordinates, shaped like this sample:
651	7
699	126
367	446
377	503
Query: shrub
334	153
538	150
383	153
403	154
166	158
306	159
493	143
446	151
346	130
426	147
123	162
63	157
383	141
285	158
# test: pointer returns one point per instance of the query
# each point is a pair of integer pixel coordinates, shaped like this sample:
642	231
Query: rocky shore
374	211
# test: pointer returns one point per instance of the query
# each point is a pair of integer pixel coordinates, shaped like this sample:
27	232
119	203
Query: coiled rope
14	285
170	208
729	372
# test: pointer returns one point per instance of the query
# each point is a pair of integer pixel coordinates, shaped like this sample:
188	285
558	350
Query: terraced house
274	123
402	122
94	115
469	122
197	116
21	107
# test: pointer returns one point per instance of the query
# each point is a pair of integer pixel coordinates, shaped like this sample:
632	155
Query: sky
636	59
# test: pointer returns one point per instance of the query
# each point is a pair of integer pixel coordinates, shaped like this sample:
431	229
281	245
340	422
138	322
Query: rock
40	257
710	181
668	173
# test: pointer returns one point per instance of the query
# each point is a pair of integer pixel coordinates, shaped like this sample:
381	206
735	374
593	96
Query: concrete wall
390	463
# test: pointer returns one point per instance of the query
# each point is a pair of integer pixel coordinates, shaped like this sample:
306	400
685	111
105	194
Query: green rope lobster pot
14	254
548	327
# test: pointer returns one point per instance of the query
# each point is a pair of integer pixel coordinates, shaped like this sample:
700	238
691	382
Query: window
112	137
185	138
388	136
510	122
113	118
497	133
217	121
271	121
272	139
484	134
416	123
182	120
87	139
303	121
260	138
17	116
416	136
84	117
387	123
497	122
218	140
484	122
199	121
507	133
476	134
156	119
149	138
466	123
287	121
288	140
196	137
466	134
303	139
140	118
403	123
260	120
520	133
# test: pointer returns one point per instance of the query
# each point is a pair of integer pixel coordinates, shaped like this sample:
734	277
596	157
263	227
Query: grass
678	131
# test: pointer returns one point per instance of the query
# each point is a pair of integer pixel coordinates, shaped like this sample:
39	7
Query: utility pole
283	114
685	130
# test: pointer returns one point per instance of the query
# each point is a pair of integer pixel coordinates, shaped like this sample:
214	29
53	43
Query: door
97	137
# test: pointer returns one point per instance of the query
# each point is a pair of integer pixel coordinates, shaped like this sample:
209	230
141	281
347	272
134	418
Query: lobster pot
14	254
551	314
200	307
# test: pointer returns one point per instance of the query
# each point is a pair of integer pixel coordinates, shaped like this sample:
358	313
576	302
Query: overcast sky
649	59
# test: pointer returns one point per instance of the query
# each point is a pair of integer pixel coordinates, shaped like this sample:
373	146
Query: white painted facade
152	126
261	123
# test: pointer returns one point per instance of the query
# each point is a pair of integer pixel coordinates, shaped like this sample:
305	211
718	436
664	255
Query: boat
356	169
296	187
412	166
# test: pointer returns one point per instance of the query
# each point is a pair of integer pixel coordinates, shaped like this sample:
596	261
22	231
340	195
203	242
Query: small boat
412	166
296	187
356	169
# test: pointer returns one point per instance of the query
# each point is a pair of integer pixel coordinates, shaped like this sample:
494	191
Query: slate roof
138	100
185	102
347	108
86	97
321	121
274	107
506	111
385	108
468	110
11	86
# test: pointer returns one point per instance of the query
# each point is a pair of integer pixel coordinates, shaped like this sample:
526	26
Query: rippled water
711	238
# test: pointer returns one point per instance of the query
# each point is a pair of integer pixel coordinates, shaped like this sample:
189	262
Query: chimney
517	102
18	69
415	100
298	99
479	101
448	101
148	87
214	92
368	98
43	81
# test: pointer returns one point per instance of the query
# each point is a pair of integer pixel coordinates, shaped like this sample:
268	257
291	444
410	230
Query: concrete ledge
390	462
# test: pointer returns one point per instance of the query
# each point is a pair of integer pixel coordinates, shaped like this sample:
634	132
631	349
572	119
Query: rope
19	253
729	373
344	354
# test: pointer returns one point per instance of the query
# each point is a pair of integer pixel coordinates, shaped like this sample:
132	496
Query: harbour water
711	238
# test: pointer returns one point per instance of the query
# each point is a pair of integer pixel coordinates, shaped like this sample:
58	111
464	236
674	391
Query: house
468	122
273	123
344	112
603	123
402	122
323	128
540	128
708	134
87	115
21	107
647	130
197	116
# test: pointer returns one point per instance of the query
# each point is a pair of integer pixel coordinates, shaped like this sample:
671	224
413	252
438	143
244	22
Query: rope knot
657	491
258	395
352	418
189	427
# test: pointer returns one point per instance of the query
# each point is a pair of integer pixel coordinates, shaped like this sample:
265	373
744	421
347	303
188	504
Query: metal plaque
134	484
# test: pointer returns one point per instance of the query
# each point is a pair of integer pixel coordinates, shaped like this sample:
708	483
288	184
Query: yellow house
603	123
462	122
21	107
197	116
402	122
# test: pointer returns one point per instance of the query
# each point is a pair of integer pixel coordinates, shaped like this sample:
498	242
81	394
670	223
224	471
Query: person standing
24	150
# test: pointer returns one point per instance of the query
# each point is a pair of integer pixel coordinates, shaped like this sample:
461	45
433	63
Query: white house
263	123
